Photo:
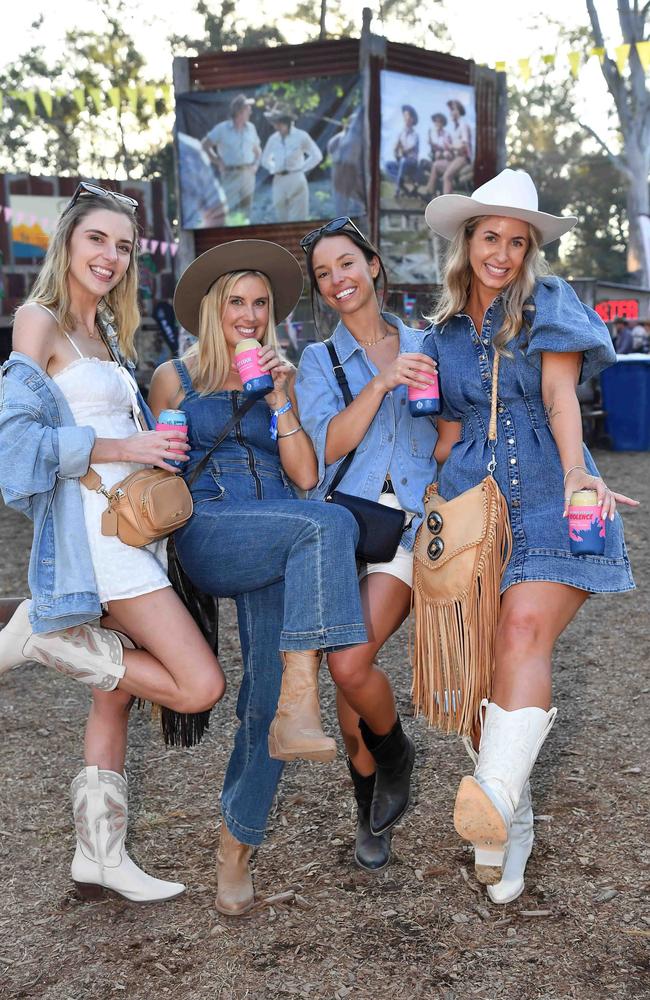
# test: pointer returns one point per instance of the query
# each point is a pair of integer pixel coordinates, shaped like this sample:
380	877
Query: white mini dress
101	395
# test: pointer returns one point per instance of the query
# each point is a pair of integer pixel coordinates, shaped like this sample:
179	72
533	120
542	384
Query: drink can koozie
425	402
586	524
172	420
255	382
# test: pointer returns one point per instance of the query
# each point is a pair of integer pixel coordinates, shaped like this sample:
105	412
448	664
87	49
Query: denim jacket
42	455
394	443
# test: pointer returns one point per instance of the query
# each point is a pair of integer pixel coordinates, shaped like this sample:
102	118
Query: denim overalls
529	471
288	563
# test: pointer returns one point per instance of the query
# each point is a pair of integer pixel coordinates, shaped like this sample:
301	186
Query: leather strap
492	431
347	399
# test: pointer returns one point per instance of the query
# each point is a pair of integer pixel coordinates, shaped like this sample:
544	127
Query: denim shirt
394	443
42	455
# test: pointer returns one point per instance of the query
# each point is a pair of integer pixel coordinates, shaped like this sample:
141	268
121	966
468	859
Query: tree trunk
323	13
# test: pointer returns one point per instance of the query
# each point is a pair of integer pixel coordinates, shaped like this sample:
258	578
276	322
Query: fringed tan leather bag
461	552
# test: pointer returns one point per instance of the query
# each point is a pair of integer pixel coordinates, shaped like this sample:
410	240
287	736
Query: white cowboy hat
511	193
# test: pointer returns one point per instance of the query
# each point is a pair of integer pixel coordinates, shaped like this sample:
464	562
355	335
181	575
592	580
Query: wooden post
186	244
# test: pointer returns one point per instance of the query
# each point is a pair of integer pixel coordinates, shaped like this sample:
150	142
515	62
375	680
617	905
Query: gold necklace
371	343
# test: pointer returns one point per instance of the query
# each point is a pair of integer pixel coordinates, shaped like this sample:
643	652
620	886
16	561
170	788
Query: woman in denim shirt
498	296
65	404
393	463
251	538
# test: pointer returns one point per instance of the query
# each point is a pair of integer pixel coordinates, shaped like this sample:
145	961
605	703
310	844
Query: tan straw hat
280	267
511	193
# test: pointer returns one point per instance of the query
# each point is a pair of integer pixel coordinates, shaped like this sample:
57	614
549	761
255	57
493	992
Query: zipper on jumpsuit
249	453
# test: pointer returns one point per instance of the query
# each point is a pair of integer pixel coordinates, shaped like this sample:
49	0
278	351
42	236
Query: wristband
273	426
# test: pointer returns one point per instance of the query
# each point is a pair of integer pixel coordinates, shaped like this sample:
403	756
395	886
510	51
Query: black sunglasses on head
335	226
100	192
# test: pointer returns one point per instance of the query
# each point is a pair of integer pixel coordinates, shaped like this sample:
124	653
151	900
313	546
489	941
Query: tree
73	136
632	102
226	27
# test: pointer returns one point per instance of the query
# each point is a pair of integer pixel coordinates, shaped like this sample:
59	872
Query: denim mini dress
529	470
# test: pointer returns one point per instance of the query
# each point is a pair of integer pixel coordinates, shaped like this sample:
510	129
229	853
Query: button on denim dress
529	471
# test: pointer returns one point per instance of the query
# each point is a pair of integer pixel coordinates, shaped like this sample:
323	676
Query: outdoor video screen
277	152
428	139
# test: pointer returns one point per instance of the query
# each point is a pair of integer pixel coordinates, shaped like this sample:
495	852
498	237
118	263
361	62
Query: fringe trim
182	729
453	650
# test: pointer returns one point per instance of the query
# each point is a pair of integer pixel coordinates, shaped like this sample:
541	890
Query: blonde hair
208	360
119	306
457	282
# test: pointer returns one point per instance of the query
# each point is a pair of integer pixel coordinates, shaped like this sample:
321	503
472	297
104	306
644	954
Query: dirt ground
324	929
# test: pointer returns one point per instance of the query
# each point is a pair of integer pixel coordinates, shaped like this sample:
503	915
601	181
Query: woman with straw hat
498	296
250	537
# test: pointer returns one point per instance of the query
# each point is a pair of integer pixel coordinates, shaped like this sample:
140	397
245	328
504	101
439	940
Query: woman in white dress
65	404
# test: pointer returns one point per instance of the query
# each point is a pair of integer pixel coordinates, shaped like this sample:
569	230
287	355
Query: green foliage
226	25
544	138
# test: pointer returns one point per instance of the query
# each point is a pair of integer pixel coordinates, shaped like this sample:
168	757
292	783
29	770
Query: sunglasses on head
100	192
335	226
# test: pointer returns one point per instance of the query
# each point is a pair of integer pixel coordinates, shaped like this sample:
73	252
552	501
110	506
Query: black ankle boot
371	853
394	755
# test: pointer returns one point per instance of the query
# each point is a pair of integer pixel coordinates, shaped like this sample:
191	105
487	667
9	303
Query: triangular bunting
524	69
549	58
622	54
114	97
96	97
46	101
79	97
574	63
643	52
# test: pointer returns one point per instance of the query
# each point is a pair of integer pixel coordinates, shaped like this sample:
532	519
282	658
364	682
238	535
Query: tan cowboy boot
296	731
235	894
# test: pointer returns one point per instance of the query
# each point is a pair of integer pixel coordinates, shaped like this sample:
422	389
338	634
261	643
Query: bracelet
572	469
273	426
294	431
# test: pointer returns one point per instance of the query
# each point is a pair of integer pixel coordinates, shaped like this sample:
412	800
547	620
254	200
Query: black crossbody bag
380	527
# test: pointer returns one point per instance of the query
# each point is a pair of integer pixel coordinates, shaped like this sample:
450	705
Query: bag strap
240	412
339	374
492	429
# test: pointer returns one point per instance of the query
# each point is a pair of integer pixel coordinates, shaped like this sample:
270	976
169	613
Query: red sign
618	309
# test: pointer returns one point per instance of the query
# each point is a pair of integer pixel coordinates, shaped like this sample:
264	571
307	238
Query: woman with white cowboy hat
498	296
250	537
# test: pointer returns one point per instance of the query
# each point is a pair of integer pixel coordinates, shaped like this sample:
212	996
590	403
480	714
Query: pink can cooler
586	524
255	382
425	402
173	420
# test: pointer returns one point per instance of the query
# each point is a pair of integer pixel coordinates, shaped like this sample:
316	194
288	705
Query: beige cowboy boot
235	894
296	732
100	807
88	653
486	804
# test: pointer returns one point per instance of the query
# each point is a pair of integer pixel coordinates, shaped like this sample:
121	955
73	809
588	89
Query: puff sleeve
563	324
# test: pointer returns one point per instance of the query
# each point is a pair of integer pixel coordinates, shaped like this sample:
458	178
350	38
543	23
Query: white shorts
401	565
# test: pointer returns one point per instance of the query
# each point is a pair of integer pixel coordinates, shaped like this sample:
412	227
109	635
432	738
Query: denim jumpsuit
288	563
529	470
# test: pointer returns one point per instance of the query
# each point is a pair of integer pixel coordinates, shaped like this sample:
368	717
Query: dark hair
439	117
368	249
458	105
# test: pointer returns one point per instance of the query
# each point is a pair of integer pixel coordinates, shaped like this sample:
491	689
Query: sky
487	32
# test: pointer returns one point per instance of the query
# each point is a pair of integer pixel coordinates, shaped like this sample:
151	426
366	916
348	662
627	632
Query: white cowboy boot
89	653
100	807
519	846
486	803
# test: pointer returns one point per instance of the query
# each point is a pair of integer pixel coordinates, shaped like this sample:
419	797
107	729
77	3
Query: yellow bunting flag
622	53
167	96
549	59
574	63
500	67
132	95
28	98
643	52
524	69
114	97
598	50
79	97
96	97
150	95
46	101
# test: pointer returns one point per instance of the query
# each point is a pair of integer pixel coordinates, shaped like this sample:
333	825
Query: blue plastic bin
626	401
